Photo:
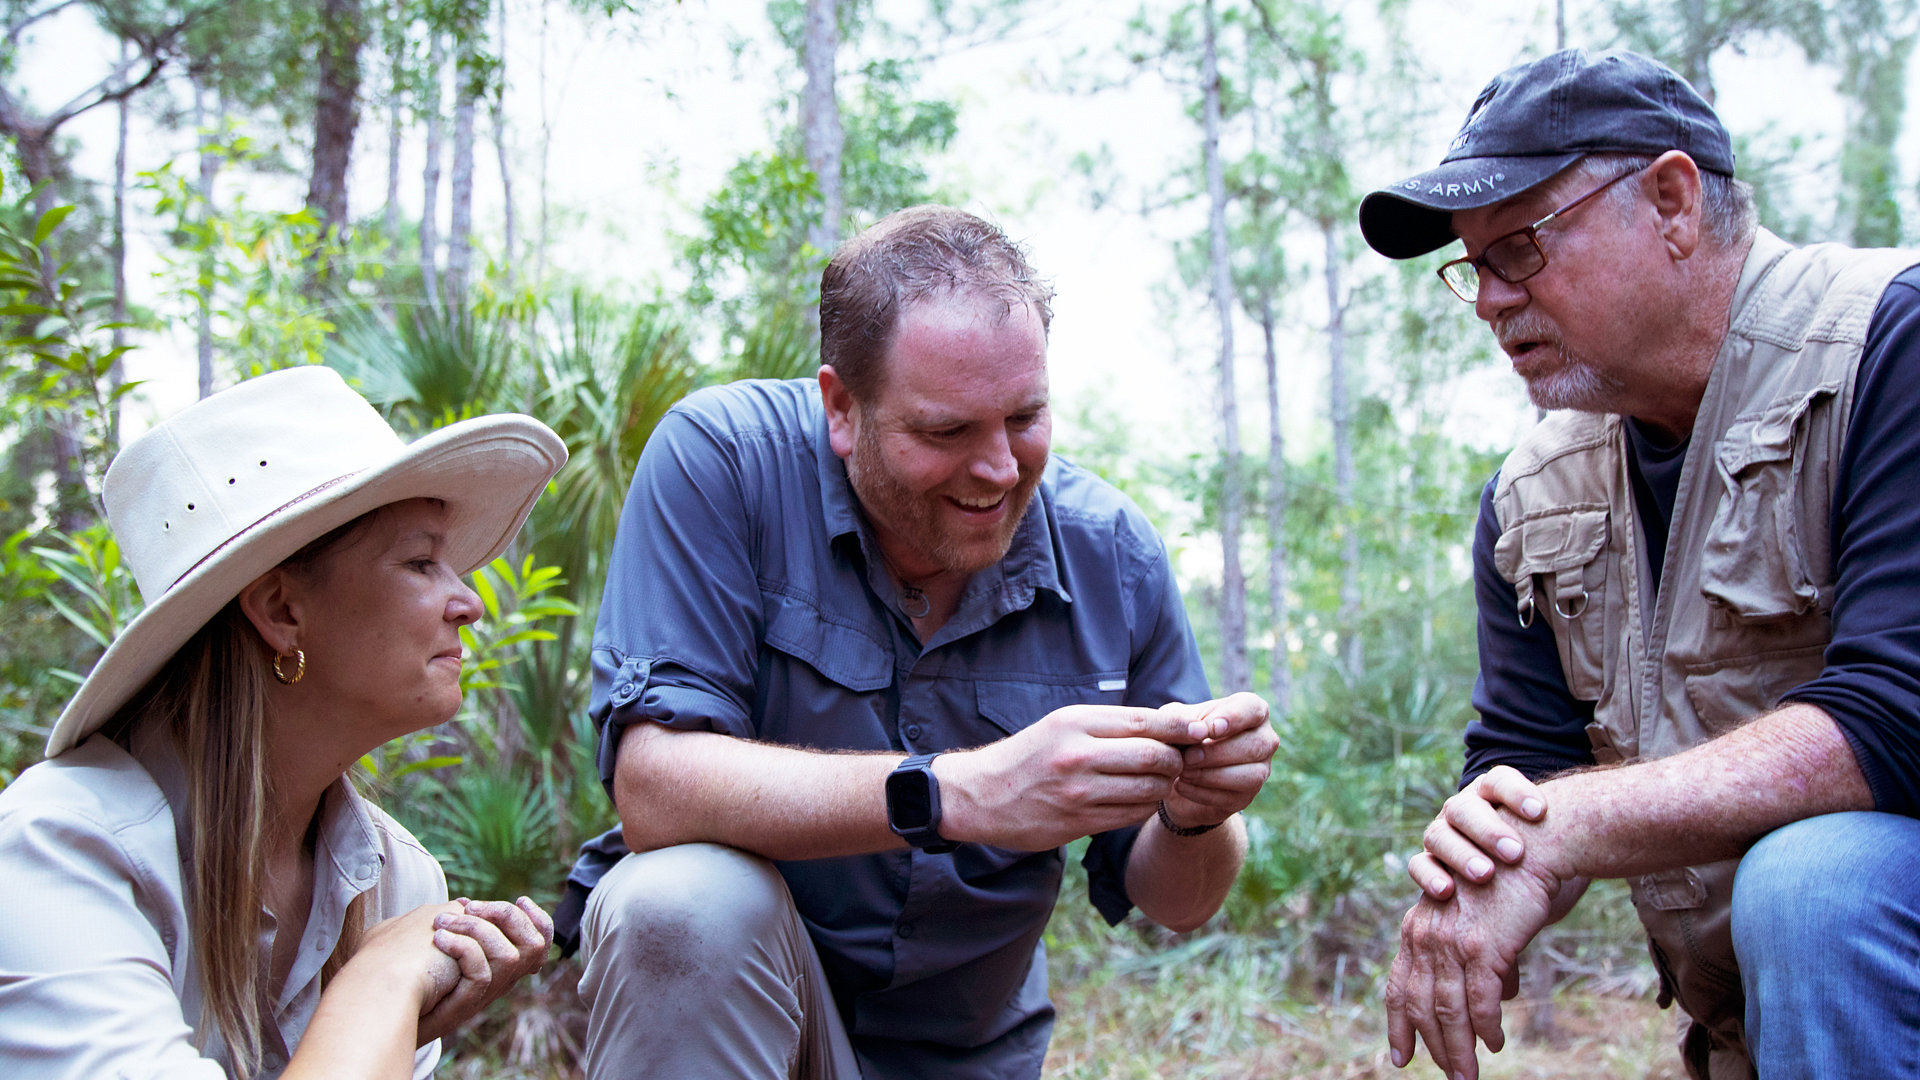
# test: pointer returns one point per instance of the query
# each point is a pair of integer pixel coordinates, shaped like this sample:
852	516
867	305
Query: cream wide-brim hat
228	488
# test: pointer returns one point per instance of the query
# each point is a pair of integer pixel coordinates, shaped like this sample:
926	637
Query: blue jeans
1826	922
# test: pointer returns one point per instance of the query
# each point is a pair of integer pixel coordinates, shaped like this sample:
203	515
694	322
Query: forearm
1180	881
683	787
366	1026
1708	803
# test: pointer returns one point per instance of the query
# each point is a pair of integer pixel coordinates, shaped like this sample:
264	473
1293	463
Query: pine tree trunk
209	171
1698	48
1340	405
395	132
500	149
116	377
1235	673
336	111
1280	678
546	148
820	127
430	176
460	221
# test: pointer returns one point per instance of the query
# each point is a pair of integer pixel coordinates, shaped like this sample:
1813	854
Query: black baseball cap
1534	120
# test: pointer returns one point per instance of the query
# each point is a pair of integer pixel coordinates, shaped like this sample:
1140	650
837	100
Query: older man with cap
1698	583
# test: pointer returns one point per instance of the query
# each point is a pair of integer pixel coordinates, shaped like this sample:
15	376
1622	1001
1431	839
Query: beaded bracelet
1183	830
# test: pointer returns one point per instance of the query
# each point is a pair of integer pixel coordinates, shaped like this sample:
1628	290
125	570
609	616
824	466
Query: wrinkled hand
1220	777
494	944
1079	770
1469	837
1458	961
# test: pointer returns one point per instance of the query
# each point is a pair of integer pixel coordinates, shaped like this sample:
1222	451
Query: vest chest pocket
1754	563
1558	566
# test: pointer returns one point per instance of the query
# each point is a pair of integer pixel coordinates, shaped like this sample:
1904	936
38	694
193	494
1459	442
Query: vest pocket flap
1727	693
841	653
1770	435
1753	560
1550	542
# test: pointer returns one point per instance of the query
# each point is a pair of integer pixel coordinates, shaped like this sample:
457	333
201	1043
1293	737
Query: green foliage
427	366
602	389
250	270
494	832
752	262
517	606
89	564
60	360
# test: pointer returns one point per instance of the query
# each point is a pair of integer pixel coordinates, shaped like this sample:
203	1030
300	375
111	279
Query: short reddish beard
913	518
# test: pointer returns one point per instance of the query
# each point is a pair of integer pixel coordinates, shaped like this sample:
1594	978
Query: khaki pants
698	966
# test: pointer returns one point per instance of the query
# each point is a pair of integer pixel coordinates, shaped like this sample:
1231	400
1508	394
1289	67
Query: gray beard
1576	385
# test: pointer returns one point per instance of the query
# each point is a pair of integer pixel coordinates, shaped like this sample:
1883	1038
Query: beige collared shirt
98	974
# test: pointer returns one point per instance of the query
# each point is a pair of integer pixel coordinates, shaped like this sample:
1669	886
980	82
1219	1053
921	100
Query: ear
1672	184
843	412
269	604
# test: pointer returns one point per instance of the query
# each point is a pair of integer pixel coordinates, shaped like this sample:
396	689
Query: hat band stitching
282	508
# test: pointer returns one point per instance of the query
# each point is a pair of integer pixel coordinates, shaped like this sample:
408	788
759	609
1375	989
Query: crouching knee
678	912
1805	884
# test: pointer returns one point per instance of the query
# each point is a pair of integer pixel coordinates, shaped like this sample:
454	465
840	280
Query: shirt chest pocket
1012	705
844	654
1557	563
1757	564
820	680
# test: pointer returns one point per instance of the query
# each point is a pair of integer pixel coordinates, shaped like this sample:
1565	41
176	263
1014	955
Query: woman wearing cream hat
191	888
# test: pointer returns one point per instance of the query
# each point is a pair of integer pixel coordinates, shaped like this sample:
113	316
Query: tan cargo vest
1741	615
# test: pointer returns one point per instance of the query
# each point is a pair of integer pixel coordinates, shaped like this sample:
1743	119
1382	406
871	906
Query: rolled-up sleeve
679	625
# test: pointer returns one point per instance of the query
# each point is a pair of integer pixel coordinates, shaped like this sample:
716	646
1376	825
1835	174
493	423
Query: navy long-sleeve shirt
746	596
1871	682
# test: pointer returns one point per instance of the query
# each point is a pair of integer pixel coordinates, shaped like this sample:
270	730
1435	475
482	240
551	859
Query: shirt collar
837	506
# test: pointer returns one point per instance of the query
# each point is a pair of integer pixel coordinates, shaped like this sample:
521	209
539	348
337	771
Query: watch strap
925	837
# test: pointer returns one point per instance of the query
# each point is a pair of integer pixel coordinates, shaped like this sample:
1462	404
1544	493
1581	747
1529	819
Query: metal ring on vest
1579	608
1526	611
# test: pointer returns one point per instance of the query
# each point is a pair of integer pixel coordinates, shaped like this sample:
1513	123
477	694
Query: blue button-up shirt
745	596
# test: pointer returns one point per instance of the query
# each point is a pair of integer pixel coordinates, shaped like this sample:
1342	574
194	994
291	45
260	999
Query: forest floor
1102	1034
1300	1002
1209	1023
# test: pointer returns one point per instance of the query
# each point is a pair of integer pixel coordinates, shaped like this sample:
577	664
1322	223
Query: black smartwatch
913	805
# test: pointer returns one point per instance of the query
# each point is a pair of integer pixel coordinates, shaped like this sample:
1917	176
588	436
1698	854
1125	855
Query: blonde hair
211	700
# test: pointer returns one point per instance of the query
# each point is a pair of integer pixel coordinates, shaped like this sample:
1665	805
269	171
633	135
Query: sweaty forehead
965	358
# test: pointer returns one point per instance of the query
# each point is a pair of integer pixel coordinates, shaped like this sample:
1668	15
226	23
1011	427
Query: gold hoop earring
299	668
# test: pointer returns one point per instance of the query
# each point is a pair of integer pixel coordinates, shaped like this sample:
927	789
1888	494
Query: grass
1301	997
1223	1018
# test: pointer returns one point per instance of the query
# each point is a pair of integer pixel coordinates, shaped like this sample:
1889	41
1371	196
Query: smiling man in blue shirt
867	659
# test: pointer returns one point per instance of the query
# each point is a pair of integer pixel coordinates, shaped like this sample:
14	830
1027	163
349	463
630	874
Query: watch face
909	802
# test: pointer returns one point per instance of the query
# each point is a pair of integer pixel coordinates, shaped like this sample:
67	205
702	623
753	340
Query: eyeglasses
1512	258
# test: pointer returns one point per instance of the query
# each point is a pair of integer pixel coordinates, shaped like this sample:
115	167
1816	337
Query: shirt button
271	1061
913	731
363	872
905	930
